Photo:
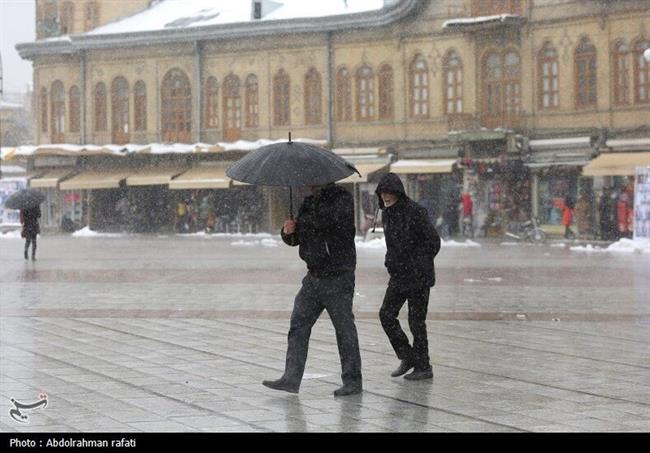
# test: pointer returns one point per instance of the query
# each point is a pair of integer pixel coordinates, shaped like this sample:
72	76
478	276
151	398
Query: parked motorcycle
527	231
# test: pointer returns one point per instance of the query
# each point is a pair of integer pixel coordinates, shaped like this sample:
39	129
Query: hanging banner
642	203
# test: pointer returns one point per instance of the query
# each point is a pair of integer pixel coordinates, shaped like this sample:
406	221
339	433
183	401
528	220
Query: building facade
506	100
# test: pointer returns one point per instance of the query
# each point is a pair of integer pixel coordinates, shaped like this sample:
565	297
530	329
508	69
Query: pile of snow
86	232
203	234
13	234
264	243
467	243
639	245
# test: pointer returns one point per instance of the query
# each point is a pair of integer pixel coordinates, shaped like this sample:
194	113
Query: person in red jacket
567	218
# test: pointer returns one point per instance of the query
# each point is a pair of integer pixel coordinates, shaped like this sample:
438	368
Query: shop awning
422	166
629	144
153	176
50	179
109	179
208	177
366	170
616	164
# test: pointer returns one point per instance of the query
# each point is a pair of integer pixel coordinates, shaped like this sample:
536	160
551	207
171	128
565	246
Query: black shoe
281	384
348	389
26	256
33	258
418	375
402	369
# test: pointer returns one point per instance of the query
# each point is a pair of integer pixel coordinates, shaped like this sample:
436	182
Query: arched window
101	122
621	67
176	110
549	72
641	73
343	95
231	108
49	25
365	79
91	16
120	111
453	83
140	106
57	115
419	88
211	103
585	73
281	99
313	97
501	73
43	104
252	101
385	85
67	18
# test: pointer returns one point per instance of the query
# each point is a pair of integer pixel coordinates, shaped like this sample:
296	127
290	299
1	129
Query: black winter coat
412	241
325	232
29	219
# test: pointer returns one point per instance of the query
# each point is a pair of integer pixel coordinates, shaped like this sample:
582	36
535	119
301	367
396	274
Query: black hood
391	183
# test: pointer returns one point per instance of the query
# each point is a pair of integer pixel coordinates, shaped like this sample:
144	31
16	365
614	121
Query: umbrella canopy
25	199
290	164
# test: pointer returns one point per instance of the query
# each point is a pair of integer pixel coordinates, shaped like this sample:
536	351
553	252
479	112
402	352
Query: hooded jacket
325	232
412	242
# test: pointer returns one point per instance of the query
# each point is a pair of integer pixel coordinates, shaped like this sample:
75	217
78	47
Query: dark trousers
418	301
333	294
30	240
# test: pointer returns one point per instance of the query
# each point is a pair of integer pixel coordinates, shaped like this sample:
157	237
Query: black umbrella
25	199
293	164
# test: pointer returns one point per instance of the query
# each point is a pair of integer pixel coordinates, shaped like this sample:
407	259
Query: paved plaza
176	334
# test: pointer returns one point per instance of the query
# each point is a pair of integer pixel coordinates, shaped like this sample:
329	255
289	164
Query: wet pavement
155	333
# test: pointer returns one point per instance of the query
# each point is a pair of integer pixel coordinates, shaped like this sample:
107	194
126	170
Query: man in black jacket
29	218
412	242
324	232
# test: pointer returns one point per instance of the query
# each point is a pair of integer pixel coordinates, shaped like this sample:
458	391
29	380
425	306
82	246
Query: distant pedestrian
324	230
607	213
31	228
567	218
412	243
583	215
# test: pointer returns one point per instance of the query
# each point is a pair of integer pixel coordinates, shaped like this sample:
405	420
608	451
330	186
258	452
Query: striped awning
153	176
51	178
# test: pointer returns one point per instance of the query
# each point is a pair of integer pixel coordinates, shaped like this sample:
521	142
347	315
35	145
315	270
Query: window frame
100	111
343	95
313	98
641	72
386	89
419	89
549	82
140	106
455	85
57	112
43	107
232	107
176	107
211	110
66	18
251	102
120	111
586	75
281	98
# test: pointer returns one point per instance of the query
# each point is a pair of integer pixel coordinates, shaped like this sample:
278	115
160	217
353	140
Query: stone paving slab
179	339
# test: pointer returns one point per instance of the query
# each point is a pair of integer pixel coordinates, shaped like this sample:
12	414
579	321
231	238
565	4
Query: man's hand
289	226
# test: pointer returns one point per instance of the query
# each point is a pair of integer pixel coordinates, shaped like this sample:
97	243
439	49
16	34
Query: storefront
435	184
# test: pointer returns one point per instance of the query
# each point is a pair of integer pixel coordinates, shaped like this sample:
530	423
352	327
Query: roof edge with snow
78	43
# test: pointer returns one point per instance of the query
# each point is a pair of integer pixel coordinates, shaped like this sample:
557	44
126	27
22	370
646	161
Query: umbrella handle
291	202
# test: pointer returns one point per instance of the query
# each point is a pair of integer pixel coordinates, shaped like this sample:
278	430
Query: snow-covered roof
176	14
481	21
176	21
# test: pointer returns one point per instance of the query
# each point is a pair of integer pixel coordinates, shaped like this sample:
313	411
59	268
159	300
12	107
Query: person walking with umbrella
324	231
412	243
28	201
29	219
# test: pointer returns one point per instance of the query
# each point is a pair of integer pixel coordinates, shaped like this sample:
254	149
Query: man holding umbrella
28	201
324	232
29	219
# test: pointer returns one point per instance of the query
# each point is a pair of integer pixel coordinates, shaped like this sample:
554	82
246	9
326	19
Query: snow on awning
51	178
153	176
202	177
560	143
629	144
424	166
366	171
617	164
94	179
483	22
